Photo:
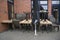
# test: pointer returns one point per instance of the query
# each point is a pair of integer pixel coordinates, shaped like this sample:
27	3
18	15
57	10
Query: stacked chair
18	18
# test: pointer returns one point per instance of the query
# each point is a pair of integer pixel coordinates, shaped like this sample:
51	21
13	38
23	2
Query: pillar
49	7
35	14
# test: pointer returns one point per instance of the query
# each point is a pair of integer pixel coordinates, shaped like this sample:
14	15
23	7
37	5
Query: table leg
20	26
13	27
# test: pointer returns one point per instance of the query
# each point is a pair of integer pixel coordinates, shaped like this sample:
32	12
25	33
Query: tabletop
28	21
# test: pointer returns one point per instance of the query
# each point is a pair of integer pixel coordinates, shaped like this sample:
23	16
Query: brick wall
21	6
3	14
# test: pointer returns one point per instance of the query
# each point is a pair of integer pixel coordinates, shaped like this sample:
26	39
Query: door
56	14
10	11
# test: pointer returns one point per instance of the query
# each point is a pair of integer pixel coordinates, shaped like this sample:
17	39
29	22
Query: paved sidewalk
19	35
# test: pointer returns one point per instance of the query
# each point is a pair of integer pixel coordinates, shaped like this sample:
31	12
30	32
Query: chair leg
40	27
13	27
20	27
57	28
31	27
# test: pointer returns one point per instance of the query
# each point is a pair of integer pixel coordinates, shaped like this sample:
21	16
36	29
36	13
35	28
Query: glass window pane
55	2
43	2
44	7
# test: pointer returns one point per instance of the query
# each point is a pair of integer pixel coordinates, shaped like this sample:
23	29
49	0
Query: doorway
56	14
10	10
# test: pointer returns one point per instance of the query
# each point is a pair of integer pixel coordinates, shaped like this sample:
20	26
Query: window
55	8
11	1
42	3
10	8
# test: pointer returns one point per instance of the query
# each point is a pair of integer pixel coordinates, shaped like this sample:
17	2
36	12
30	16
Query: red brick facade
3	14
21	6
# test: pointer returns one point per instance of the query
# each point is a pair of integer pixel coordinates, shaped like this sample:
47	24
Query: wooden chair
55	26
16	24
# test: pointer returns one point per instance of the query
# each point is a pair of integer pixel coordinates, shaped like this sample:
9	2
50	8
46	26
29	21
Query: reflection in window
43	4
45	7
55	7
55	2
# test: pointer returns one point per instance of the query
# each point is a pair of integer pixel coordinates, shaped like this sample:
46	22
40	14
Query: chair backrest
16	22
51	18
20	16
